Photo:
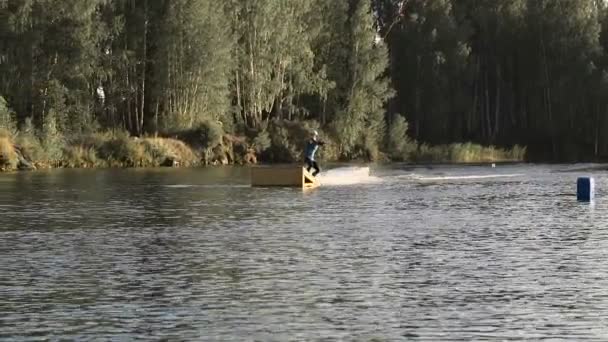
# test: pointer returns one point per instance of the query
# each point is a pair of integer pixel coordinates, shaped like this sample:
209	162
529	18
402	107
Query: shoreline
104	150
327	166
584	166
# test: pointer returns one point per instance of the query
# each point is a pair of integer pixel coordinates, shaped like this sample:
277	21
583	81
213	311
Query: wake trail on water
347	176
419	177
209	186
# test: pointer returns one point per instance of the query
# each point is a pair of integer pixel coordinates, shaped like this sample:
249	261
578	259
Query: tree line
503	72
156	65
494	72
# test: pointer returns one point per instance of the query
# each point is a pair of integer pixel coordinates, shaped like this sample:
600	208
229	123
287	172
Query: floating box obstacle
585	189
283	176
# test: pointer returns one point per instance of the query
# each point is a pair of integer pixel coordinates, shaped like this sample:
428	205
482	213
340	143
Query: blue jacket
311	149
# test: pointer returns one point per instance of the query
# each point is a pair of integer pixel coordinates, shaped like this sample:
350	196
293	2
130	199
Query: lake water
442	253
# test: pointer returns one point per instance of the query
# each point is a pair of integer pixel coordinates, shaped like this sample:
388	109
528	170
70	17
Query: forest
150	82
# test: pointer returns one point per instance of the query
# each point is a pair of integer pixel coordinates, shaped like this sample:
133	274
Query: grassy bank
113	149
400	147
467	153
209	144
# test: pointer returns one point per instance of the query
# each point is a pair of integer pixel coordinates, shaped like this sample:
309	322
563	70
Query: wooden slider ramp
282	176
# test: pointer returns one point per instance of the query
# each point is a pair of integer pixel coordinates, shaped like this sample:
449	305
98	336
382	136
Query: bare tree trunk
417	99
253	98
596	147
239	101
548	98
156	118
497	104
129	116
32	78
324	110
473	112
128	121
278	105
140	123
486	113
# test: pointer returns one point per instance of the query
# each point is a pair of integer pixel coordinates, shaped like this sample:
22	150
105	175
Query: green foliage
400	147
31	148
28	127
195	68
468	153
45	147
497	73
168	152
361	122
119	149
77	156
331	56
288	140
123	151
29	142
274	58
207	135
500	72
283	148
52	140
262	141
50	52
7	118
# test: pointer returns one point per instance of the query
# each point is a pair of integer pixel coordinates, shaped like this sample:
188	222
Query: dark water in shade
448	253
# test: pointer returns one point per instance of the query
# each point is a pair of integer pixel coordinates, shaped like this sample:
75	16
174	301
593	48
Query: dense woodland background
377	77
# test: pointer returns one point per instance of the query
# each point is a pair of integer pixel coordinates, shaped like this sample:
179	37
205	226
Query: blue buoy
585	189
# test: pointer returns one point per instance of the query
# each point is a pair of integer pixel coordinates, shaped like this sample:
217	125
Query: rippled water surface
442	253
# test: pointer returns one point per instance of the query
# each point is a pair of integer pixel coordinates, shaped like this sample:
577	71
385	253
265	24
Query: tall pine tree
360	125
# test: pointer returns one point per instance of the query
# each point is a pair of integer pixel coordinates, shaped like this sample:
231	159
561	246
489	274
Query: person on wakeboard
311	148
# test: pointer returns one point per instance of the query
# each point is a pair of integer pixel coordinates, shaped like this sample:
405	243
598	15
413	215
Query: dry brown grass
105	149
162	150
468	153
79	156
8	156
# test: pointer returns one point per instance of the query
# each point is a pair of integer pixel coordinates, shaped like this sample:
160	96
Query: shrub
162	151
261	142
281	148
7	118
78	156
157	152
518	153
206	135
8	155
399	146
52	141
467	153
288	140
31	148
119	150
237	149
186	156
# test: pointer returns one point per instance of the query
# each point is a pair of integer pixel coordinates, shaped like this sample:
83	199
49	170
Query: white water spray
347	176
